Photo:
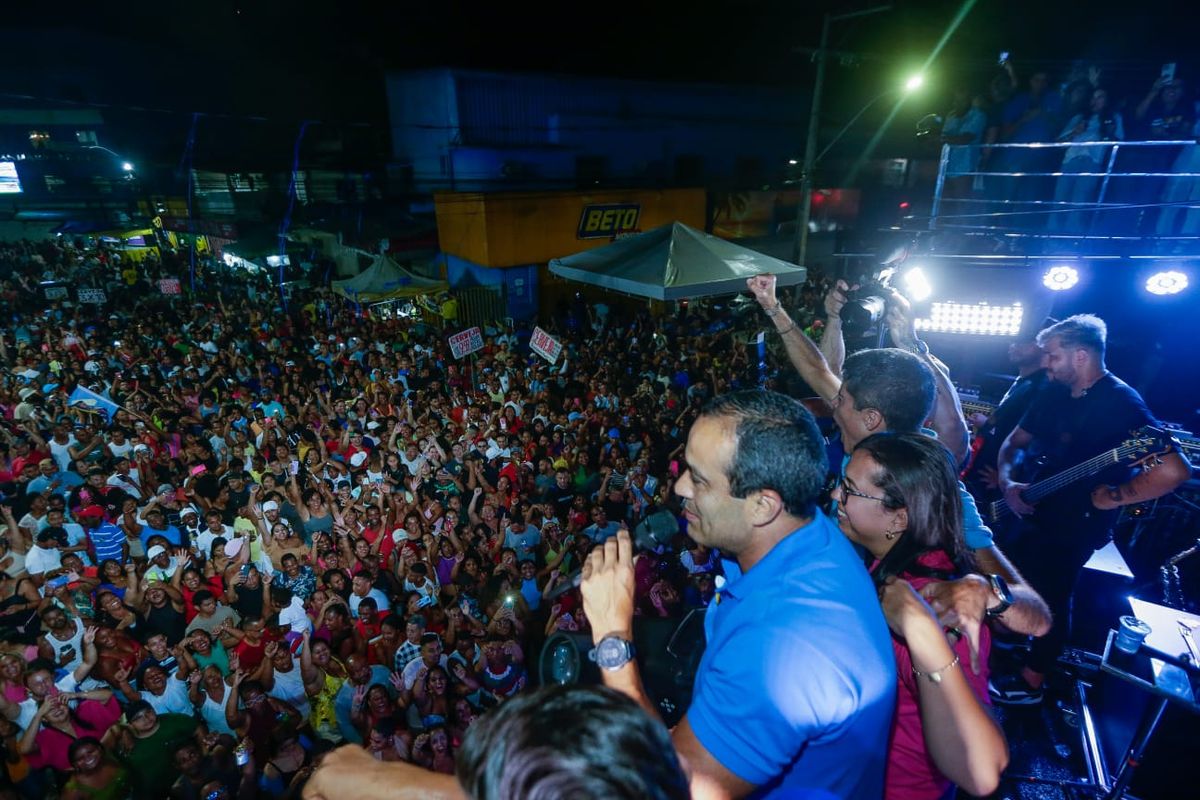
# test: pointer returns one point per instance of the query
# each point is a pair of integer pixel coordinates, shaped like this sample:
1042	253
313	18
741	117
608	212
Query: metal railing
1105	189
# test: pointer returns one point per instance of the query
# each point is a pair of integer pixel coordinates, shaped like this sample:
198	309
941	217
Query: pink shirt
92	718
910	773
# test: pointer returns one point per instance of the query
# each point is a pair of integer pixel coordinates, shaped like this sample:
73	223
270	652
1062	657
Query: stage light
1169	282
914	83
916	285
125	165
980	319
1059	279
792	162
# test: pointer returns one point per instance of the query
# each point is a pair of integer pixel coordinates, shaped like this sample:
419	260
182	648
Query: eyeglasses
847	491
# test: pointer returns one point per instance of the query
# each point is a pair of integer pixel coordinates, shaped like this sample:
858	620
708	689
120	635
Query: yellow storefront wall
512	229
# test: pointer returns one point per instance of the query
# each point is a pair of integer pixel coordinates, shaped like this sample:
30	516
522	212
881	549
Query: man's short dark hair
569	741
778	447
894	382
202	596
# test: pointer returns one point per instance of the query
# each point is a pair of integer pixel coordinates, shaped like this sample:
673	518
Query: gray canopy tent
674	262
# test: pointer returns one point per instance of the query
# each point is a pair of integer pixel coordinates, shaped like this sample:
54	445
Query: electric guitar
1144	445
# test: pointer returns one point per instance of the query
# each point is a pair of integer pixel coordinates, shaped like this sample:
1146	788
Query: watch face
611	653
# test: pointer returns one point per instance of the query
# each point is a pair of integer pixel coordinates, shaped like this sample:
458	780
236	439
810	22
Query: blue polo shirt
797	686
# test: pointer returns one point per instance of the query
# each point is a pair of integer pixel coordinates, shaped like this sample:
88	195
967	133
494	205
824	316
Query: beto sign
605	221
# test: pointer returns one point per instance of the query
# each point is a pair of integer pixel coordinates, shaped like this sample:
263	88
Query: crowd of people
244	530
298	528
1078	106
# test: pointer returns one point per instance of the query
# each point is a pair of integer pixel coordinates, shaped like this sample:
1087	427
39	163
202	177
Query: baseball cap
90	511
270	505
165	488
155	551
358	459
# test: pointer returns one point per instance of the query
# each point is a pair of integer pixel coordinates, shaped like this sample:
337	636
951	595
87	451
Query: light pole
126	166
800	244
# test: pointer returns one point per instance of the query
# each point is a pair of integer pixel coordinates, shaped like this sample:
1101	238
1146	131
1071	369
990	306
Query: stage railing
1101	189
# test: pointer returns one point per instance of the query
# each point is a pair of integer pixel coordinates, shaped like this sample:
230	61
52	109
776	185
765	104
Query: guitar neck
1049	486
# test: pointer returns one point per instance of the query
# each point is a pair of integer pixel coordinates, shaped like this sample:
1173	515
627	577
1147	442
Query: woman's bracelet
936	675
788	329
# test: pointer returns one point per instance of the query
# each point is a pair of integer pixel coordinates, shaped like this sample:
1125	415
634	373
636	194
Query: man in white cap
162	565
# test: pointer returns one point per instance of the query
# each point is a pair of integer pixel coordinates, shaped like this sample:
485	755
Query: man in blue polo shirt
795	693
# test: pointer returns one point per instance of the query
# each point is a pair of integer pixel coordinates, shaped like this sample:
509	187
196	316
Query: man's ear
874	420
764	506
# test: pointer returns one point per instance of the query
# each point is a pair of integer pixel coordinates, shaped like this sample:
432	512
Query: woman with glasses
898	499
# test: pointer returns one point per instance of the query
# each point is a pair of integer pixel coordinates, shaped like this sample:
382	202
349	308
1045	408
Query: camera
867	305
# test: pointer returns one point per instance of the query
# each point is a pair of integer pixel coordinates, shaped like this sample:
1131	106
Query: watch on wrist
612	652
1001	591
921	348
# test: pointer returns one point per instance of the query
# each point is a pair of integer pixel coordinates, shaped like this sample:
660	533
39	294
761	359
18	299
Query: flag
87	398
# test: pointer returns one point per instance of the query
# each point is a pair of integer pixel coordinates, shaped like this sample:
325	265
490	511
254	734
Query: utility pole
804	210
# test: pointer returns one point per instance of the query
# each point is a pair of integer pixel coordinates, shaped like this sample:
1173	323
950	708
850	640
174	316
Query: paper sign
545	345
170	286
466	342
96	296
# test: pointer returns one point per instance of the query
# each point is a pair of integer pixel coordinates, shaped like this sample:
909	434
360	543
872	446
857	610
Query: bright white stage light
1059	279
1169	282
980	319
917	285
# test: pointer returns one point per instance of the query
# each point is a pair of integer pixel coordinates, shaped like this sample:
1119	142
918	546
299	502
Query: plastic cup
1131	633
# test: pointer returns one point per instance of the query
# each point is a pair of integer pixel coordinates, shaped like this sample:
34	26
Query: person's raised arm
964	742
833	345
608	583
802	352
947	416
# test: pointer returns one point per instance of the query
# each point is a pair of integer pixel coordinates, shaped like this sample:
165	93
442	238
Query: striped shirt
106	541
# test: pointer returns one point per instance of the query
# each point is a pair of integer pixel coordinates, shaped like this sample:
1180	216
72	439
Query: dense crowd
267	530
1078	106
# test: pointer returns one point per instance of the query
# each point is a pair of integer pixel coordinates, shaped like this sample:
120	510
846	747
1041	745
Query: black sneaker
1012	690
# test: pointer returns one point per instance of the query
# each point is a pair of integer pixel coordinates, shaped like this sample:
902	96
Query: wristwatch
1000	589
921	348
612	652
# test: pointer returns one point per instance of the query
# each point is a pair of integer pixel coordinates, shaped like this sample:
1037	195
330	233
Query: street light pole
804	211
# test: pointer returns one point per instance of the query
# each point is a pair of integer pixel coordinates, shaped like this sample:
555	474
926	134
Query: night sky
304	59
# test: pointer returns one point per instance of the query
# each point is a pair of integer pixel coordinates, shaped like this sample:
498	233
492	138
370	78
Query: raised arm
802	352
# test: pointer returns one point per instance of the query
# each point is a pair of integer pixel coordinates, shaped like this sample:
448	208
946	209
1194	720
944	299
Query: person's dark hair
569	741
394	621
249	686
894	382
202	596
281	596
916	473
778	447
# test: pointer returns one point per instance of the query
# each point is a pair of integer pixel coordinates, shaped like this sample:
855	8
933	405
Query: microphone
656	528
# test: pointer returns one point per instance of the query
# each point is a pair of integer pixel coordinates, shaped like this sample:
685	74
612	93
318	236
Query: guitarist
980	476
1085	411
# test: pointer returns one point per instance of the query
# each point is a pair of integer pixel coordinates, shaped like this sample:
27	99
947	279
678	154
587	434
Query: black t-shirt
249	602
165	620
1004	419
1070	430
